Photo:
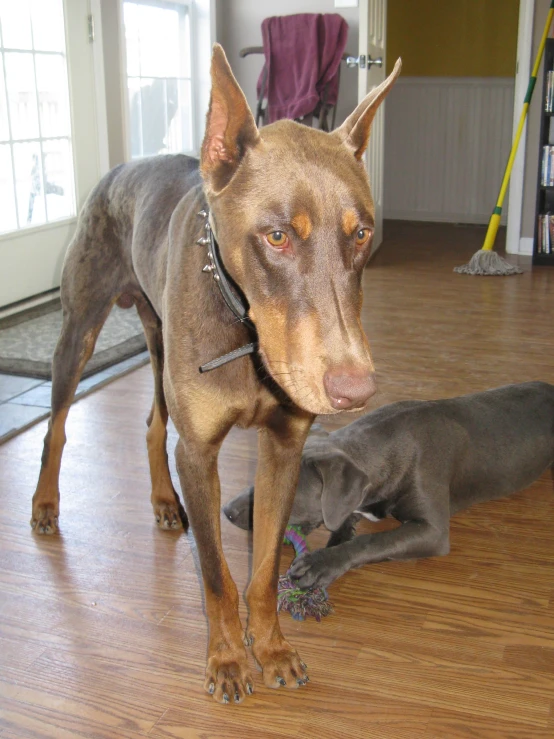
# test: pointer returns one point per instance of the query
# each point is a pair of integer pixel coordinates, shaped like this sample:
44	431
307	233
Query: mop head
300	603
488	262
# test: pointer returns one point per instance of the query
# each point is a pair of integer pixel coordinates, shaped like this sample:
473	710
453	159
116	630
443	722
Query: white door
373	26
50	137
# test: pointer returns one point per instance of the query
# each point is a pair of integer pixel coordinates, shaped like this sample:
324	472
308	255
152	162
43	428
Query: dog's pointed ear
354	132
344	484
230	126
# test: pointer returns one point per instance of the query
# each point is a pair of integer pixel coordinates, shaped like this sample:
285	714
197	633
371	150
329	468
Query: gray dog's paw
312	570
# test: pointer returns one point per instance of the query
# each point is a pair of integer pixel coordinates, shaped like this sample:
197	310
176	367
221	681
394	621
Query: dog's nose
348	388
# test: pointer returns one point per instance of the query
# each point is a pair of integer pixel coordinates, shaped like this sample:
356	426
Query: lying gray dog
419	462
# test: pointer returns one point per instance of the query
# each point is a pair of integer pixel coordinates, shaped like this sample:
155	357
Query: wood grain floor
102	632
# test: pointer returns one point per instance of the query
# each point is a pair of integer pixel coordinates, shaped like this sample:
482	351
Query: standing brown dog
293	215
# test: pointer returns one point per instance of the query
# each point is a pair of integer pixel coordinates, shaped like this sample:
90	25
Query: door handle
363	60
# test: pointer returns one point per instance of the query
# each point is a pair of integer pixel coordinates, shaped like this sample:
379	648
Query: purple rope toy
300	603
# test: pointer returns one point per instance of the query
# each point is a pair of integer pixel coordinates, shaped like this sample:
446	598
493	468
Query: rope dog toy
300	603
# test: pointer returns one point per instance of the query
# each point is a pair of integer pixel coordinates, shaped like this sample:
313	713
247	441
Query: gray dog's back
489	444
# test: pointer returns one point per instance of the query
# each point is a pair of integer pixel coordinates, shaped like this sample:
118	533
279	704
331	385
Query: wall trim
455	81
438	217
526	246
447	141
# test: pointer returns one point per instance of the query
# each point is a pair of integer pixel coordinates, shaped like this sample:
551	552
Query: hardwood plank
452	724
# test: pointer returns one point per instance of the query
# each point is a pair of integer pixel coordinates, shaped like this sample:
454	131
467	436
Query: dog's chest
256	408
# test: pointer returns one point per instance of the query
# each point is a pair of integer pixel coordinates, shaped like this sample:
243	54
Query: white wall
239	25
447	140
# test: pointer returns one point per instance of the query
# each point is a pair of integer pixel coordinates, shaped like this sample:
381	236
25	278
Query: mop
486	261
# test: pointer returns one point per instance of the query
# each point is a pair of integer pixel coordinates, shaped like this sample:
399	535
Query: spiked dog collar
233	297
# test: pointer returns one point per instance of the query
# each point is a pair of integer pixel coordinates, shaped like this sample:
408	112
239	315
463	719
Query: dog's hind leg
94	277
167	507
74	348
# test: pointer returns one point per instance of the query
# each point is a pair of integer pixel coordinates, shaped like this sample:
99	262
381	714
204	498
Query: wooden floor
102	632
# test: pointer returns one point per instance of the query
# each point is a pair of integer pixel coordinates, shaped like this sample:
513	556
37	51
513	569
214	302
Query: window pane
4	128
131	20
58	176
22	97
53	95
48	25
29	185
8	221
158	69
154	116
180	128
16	24
135	113
159	42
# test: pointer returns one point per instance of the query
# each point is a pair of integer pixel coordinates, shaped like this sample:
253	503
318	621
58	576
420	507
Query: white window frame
11	142
202	32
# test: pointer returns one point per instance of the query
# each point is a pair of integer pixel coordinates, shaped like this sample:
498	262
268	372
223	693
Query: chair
307	37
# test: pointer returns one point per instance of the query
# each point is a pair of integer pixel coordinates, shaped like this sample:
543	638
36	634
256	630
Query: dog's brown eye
279	239
362	236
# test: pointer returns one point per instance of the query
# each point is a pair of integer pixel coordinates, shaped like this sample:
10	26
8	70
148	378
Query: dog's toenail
249	688
306	678
304	666
211	689
225	698
158	519
281	681
174	525
237	698
299	681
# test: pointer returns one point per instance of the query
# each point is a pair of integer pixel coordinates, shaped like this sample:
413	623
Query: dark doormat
28	340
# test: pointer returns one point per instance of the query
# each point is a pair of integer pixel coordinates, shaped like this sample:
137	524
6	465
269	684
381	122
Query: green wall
453	38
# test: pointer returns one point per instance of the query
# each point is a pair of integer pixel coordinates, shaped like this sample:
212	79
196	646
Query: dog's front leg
279	453
411	540
227	674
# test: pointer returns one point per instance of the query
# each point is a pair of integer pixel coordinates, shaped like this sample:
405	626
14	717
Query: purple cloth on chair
302	58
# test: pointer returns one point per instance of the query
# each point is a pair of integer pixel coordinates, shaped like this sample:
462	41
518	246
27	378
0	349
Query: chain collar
233	297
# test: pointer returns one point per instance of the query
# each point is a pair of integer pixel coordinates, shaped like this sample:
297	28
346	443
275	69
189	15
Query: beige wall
533	126
239	25
465	38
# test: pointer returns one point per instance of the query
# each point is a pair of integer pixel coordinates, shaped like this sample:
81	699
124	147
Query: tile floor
25	400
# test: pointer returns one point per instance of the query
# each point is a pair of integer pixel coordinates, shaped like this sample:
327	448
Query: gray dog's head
330	487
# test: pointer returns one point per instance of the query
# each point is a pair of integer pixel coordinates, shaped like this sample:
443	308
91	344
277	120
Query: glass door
49	145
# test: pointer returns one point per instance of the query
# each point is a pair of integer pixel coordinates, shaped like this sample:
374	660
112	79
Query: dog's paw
228	679
44	519
169	516
312	570
281	665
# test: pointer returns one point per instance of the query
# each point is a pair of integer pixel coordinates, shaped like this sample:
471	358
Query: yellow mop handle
494	222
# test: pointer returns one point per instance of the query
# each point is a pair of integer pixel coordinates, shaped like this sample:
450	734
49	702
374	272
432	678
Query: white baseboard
481	219
22	305
526	245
